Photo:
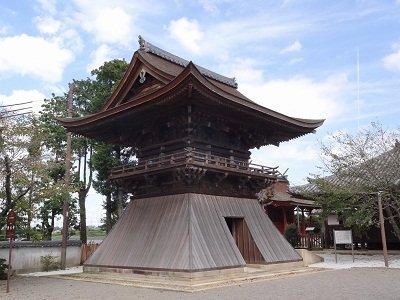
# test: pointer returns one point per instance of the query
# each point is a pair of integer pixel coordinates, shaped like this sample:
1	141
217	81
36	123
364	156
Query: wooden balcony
193	158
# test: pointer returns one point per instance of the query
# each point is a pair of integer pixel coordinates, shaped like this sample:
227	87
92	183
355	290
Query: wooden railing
310	241
194	157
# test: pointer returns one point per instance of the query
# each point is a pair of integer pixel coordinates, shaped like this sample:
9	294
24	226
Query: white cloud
296	46
113	22
47	25
298	96
392	61
99	56
21	96
222	38
69	38
187	33
211	6
49	6
294	61
3	30
110	25
301	156
36	56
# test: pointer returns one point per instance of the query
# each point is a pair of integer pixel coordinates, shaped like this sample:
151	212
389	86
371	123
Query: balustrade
194	157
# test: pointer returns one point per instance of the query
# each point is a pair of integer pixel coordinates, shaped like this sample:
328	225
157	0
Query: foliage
49	263
32	160
92	93
3	269
361	165
292	234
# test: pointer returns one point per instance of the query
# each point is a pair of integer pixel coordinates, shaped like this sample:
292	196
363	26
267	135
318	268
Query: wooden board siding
188	232
272	245
152	233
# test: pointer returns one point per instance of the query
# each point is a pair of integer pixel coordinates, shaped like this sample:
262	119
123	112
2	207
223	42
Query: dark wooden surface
244	241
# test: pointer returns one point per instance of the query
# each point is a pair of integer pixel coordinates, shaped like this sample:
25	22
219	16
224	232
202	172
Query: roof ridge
150	48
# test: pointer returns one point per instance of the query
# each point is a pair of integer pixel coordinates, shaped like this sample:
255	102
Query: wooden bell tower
194	187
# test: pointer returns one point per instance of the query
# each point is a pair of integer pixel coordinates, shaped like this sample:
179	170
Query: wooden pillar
284	218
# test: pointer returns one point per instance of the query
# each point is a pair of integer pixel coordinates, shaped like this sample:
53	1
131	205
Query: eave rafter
188	81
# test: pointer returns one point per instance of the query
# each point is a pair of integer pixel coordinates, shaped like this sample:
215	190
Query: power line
15	115
14	110
28	102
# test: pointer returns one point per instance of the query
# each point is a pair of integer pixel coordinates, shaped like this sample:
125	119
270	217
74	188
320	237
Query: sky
296	57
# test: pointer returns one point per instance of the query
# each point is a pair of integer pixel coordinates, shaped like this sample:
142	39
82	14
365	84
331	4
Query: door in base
244	241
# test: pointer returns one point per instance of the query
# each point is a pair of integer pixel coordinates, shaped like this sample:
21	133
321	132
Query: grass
92	234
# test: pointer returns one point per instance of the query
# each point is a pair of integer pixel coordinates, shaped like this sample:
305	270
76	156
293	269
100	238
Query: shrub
49	263
292	234
3	269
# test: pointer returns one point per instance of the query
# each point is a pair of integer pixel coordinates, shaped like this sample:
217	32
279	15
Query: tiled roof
380	170
150	48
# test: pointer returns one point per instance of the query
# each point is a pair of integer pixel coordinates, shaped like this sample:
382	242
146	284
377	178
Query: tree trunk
46	227
120	196
8	183
82	215
29	212
51	228
82	193
7	187
108	212
45	224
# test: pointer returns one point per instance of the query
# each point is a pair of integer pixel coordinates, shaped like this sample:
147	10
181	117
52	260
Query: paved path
332	284
360	261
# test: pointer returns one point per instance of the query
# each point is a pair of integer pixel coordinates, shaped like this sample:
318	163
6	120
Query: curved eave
73	124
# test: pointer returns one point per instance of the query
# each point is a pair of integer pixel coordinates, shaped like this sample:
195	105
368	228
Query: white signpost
343	237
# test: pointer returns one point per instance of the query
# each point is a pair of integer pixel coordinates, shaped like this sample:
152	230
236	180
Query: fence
87	250
26	255
308	241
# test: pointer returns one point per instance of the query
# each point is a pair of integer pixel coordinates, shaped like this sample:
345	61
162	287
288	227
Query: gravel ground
371	283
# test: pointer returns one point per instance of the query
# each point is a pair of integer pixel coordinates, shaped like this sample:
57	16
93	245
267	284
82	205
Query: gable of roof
150	48
165	67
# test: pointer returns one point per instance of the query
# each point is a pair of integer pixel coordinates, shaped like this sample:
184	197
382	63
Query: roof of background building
384	168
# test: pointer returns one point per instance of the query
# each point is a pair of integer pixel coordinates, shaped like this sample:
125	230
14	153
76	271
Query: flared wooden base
192	232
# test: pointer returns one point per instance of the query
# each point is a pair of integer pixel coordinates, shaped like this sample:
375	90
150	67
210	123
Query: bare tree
360	165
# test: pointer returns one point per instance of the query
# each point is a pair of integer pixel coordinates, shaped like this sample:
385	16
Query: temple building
284	208
194	191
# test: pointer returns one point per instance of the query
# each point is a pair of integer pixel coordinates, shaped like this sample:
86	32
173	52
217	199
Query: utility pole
383	234
67	180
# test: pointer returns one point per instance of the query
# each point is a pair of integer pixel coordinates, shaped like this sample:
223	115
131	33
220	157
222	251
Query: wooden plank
188	232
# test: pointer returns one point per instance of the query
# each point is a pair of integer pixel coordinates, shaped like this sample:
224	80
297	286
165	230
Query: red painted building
284	208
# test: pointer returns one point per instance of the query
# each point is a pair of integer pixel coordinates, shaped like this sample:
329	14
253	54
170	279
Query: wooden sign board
333	220
343	237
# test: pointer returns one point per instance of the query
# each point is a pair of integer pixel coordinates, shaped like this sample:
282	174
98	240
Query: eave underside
114	127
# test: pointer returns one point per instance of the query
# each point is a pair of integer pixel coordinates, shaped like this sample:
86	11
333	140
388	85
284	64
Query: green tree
361	164
17	164
54	142
91	94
